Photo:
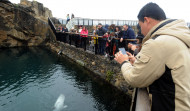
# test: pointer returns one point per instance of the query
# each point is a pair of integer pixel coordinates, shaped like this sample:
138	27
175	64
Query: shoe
106	55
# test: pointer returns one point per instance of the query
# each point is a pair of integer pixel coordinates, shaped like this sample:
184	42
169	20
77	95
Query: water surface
31	79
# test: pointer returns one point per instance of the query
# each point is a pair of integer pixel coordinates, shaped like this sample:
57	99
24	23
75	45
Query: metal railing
91	22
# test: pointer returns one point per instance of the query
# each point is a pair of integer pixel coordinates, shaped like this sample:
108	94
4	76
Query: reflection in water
31	79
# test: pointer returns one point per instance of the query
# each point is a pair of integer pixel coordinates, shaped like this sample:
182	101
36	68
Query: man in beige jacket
163	64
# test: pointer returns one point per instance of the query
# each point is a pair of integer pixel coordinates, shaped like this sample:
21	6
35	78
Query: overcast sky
114	9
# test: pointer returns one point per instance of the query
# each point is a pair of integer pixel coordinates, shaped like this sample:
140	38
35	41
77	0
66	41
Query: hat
99	24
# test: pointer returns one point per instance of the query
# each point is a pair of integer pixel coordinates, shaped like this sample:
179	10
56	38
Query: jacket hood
176	28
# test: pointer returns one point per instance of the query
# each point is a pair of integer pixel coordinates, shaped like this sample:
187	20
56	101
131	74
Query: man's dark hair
99	24
151	10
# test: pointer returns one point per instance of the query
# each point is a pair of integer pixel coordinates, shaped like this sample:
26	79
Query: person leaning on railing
127	33
101	41
84	35
136	48
118	34
78	37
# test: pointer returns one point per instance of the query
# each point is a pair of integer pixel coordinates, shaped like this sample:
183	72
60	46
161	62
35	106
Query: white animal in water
59	104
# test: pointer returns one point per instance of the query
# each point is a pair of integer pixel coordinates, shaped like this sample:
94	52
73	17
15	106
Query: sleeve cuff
124	62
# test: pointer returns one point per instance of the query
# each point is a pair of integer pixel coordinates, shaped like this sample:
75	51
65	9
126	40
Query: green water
31	79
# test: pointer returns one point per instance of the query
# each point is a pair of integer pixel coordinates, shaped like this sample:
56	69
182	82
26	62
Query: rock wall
18	27
106	69
40	11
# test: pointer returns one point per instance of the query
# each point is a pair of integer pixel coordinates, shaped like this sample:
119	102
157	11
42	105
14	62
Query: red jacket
84	32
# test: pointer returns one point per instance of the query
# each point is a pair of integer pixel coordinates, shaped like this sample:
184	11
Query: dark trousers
114	47
83	42
70	38
96	46
122	44
102	45
108	48
64	37
77	40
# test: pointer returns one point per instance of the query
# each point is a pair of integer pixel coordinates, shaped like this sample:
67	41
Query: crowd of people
107	40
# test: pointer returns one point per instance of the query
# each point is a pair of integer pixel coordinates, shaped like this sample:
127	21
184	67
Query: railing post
70	36
78	21
96	45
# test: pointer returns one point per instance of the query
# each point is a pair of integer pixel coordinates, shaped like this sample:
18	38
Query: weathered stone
18	27
102	71
93	63
39	10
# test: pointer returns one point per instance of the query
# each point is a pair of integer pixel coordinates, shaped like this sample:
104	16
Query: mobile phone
123	51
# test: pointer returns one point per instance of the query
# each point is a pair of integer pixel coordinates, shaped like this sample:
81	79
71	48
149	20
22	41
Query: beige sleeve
149	65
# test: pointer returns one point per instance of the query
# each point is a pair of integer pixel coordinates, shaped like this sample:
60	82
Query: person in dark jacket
118	34
136	48
106	27
102	41
128	33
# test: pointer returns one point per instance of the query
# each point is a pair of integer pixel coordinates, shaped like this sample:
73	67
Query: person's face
94	28
125	27
80	27
99	26
138	41
144	27
84	28
117	29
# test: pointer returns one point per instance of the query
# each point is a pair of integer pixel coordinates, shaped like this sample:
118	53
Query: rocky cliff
39	11
19	26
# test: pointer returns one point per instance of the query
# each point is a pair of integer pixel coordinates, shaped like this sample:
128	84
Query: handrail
94	35
51	24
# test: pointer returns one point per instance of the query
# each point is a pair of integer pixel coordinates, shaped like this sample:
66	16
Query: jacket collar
156	28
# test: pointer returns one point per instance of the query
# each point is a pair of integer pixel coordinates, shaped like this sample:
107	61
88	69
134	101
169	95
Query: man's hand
133	47
131	58
105	34
121	40
129	45
120	58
